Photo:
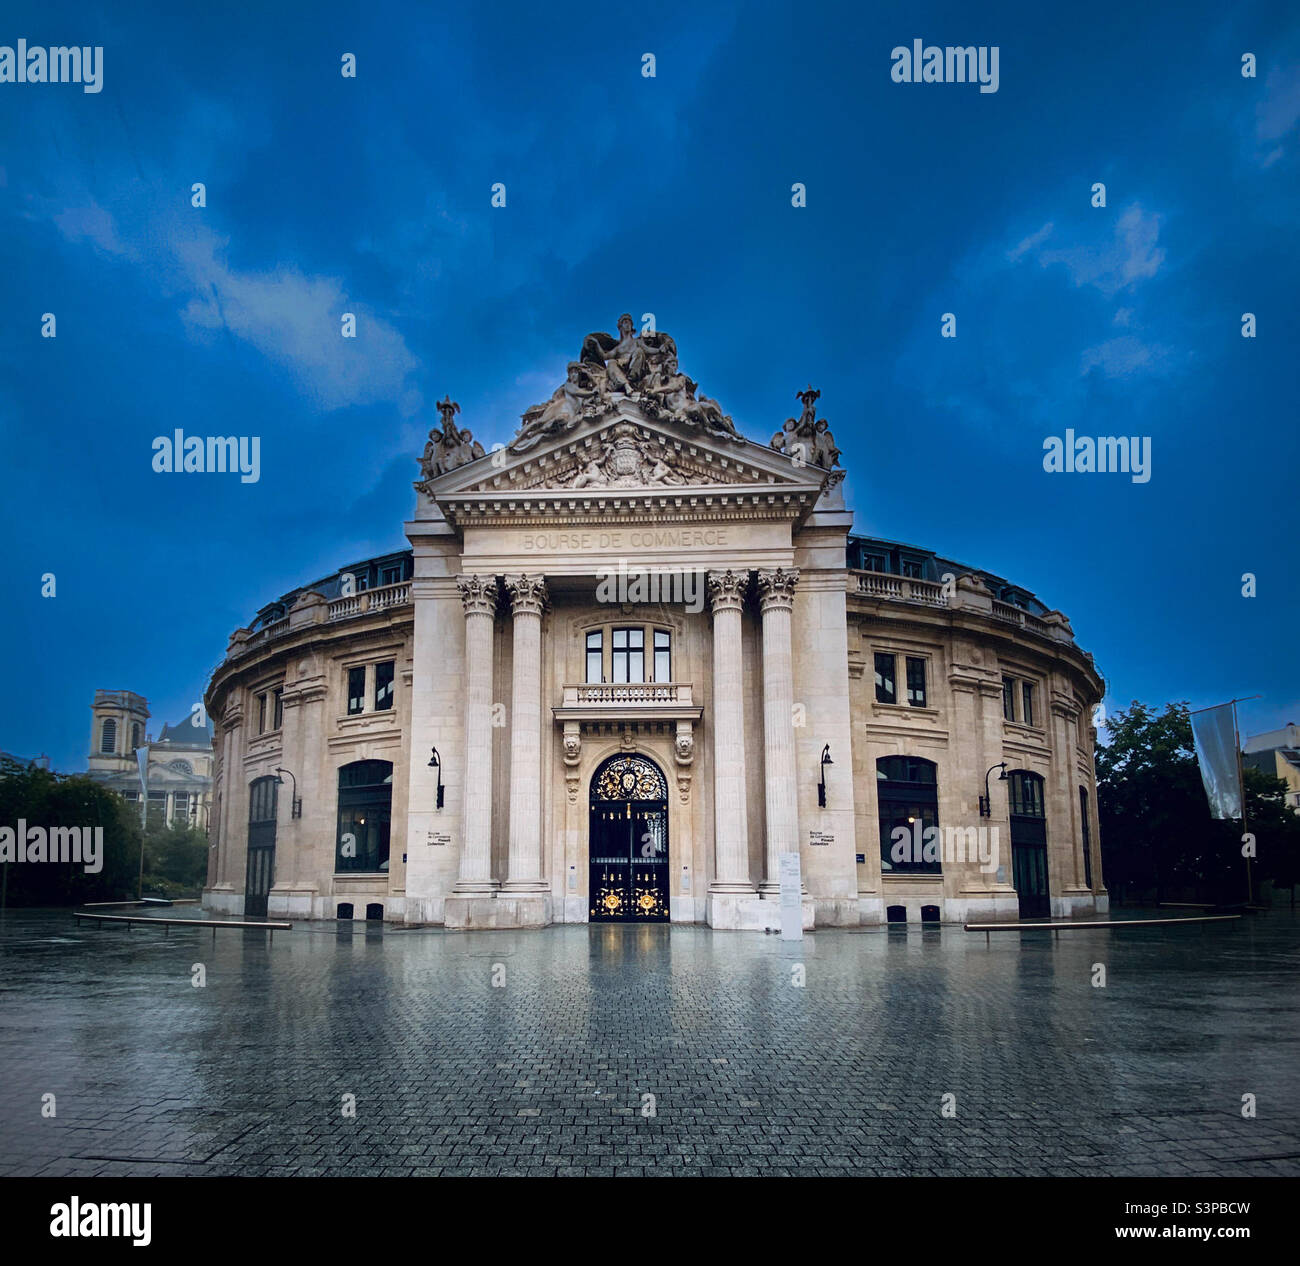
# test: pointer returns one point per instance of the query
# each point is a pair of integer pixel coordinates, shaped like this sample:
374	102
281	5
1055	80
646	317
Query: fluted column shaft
730	820
776	598
527	601
479	596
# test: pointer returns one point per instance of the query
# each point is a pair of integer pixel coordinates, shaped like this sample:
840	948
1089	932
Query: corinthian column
527	601
730	823
776	597
478	594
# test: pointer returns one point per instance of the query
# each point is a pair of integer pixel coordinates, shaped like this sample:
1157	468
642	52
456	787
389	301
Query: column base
749	912
465	911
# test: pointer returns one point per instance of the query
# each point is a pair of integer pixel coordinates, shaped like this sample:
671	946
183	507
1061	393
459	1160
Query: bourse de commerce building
629	661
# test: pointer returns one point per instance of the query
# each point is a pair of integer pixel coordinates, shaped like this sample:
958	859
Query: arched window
135	735
1025	793
108	737
180	766
907	792
365	815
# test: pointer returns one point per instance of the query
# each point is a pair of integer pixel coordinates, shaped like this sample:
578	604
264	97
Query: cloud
294	320
1029	243
290	317
1276	114
1122	357
92	223
1130	257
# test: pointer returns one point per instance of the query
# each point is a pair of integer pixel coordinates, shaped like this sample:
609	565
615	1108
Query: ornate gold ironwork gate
627	842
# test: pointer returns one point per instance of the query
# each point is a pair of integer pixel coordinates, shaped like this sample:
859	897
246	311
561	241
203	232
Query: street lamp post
986	800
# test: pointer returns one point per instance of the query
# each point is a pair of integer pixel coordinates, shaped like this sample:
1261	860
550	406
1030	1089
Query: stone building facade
630	661
179	767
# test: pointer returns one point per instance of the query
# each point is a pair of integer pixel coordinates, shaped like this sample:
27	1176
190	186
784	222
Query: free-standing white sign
791	898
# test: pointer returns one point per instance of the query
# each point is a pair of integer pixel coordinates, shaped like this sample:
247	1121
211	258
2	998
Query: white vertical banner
791	898
142	760
1214	735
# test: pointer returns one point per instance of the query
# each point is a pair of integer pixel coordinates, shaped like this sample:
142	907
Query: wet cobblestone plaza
535	1052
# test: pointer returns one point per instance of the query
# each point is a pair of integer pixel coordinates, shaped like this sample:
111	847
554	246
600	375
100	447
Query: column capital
776	588
478	594
528	594
727	590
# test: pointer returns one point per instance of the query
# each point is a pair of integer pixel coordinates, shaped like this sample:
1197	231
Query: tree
1276	830
45	799
1158	840
175	859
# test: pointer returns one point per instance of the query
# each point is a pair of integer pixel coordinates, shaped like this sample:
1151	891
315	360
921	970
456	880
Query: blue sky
669	195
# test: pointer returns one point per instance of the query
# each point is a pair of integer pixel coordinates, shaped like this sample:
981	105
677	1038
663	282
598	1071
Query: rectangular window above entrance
627	655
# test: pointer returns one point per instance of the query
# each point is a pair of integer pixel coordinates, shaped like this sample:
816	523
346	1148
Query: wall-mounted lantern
435	762
295	805
986	800
821	786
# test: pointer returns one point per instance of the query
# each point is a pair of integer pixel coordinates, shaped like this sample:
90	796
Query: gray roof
186	734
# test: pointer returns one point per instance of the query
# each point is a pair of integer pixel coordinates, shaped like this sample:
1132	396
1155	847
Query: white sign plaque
791	898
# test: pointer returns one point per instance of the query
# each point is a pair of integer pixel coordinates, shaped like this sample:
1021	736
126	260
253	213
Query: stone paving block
750	1075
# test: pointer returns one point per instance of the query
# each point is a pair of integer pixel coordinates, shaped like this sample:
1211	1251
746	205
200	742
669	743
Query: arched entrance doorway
1029	844
260	872
627	842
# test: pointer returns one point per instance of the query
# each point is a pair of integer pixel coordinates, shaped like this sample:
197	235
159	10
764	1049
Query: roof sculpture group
627	366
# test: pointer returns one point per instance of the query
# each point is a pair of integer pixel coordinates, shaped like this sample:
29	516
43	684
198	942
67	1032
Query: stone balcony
628	701
314	608
968	593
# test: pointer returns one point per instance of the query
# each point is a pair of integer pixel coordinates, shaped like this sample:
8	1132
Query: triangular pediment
627	429
631	461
